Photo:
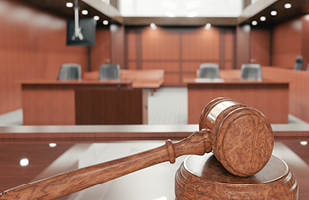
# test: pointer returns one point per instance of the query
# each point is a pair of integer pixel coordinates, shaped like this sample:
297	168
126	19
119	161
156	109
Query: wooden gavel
240	137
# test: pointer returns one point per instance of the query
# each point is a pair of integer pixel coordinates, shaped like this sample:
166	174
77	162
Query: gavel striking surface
204	177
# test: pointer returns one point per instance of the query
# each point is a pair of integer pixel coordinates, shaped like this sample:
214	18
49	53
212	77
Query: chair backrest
70	71
251	72
299	63
109	71
209	70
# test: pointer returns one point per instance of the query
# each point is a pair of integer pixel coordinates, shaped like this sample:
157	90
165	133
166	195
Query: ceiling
108	12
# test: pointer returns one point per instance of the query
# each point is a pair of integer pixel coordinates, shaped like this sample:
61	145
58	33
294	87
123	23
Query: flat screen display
88	31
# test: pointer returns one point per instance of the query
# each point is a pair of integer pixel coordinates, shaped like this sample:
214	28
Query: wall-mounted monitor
88	30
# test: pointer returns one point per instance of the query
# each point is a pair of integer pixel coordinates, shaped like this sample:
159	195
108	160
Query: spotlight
273	13
153	26
69	4
287	5
96	18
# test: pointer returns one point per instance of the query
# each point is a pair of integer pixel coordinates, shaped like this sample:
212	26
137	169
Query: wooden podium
203	177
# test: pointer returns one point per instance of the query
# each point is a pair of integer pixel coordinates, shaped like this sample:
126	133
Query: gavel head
241	137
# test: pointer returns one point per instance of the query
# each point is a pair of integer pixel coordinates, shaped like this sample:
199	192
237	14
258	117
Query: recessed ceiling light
24	162
52	145
287	5
105	22
273	13
96	18
69	4
207	26
263	18
153	26
304	143
254	23
85	12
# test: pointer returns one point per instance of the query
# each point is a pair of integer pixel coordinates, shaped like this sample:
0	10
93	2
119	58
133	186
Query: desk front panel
71	103
269	98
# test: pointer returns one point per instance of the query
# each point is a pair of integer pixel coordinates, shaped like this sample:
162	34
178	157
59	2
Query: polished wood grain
242	45
270	97
298	89
146	78
31	49
117	42
285	48
305	40
260	46
179	50
68	183
69	103
198	143
40	156
233	126
103	133
100	52
205	178
194	44
97	106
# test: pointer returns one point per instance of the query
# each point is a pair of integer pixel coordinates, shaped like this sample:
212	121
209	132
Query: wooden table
83	102
75	145
269	97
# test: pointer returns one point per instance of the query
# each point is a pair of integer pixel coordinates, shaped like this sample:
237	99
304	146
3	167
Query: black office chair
109	71
70	71
299	63
209	70
251	72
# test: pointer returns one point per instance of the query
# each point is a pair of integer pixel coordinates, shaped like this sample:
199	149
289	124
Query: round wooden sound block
203	177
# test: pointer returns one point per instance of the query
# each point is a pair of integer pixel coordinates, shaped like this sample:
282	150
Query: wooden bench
152	78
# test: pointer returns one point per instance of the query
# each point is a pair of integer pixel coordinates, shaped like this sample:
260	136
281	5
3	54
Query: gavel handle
68	183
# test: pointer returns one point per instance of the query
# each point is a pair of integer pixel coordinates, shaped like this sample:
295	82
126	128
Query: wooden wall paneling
222	50
132	65
192	66
286	43
118	45
131	39
229	50
260	46
242	45
159	44
160	50
179	50
305	41
201	44
171	79
298	89
100	52
229	65
167	66
31	48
